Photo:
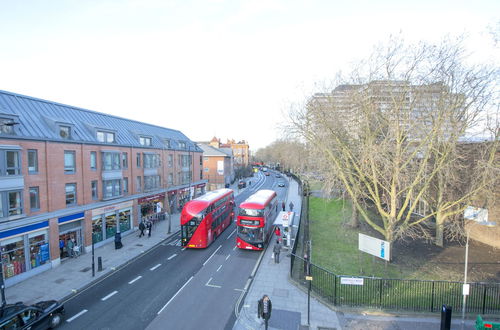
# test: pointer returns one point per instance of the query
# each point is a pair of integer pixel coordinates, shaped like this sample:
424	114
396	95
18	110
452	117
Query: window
206	169
151	161
111	188
106	137
167	143
93	185
11	203
151	182
182	145
145	141
201	161
69	162
34	199
10	162
201	174
32	161
70	194
124	160
65	132
139	184
111	161
125	186
170	179
7	126
170	160
185	160
93	160
138	160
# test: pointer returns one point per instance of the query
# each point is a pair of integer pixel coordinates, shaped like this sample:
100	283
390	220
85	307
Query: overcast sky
229	68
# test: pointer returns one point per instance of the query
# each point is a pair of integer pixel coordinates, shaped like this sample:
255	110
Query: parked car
242	184
267	173
42	315
278	175
281	184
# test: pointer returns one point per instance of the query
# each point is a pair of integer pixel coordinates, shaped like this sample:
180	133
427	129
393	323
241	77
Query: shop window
69	162
38	249
70	194
93	185
93	160
13	257
111	188
34	199
124	221
32	161
111	161
110	225
97	229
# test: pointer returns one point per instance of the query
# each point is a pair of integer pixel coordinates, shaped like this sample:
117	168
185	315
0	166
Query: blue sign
44	252
382	249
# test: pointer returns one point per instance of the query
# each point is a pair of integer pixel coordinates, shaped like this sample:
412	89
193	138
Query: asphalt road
170	287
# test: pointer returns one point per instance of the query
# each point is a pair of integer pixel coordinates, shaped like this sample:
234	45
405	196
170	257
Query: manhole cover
60	280
86	269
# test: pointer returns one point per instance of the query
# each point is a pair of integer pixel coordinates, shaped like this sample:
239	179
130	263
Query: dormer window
182	145
166	142
7	125
145	141
65	132
105	137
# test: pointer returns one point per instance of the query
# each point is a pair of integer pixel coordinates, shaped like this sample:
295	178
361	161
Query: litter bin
118	241
445	317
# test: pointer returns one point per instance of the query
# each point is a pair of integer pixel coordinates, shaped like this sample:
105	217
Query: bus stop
284	219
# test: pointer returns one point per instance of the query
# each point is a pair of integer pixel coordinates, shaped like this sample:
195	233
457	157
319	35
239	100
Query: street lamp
465	289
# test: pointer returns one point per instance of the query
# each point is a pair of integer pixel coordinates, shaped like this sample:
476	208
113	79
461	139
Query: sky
225	68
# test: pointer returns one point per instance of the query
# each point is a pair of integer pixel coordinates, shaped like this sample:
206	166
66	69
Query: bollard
99	264
446	317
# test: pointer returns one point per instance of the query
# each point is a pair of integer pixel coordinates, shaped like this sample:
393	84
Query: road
170	287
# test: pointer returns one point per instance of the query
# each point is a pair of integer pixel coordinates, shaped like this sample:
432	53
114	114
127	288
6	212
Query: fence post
432	298
334	290
380	297
484	299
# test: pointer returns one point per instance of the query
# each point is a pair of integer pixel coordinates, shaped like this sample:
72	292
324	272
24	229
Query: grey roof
211	151
38	119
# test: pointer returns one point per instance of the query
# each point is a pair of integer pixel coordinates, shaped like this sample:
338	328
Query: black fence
390	294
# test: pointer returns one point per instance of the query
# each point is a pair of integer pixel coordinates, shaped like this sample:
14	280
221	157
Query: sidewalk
289	302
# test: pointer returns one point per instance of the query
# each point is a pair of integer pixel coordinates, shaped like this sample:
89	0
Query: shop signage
151	198
44	252
111	208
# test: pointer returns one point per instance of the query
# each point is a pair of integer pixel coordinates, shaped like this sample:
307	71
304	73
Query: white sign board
375	246
351	281
476	214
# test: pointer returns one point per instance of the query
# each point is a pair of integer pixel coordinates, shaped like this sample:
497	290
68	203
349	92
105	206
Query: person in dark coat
277	250
142	227
283	205
150	227
264	308
291	206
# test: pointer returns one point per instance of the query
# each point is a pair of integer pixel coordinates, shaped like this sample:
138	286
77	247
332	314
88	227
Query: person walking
150	227
264	308
61	247
291	206
283	205
277	250
69	247
277	232
142	227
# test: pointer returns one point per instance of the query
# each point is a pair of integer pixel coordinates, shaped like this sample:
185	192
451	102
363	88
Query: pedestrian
291	206
61	247
277	232
277	250
264	308
283	205
141	228
149	226
69	247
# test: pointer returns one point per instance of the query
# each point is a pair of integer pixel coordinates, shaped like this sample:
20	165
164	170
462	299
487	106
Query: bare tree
389	133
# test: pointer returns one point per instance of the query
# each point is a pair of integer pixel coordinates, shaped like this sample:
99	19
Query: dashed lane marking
109	295
172	256
135	279
153	268
77	315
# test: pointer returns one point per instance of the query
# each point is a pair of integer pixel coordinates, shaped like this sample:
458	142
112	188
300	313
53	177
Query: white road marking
135	279
212	285
109	295
234	247
219	268
228	256
172	256
77	315
175	295
183	249
242	290
153	268
234	231
212	255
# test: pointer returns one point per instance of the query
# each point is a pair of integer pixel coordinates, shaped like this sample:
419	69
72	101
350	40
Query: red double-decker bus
255	220
206	217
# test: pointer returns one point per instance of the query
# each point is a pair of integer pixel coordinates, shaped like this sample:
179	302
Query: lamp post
465	289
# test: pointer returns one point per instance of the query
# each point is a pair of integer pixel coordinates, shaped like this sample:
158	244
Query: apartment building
71	173
218	168
241	150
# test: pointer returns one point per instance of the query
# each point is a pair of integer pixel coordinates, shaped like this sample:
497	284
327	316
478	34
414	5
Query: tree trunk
354	223
439	240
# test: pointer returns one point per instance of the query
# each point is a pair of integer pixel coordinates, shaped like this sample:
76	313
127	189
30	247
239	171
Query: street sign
309	278
375	246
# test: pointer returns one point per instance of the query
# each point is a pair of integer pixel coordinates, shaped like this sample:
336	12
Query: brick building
241	150
218	167
67	172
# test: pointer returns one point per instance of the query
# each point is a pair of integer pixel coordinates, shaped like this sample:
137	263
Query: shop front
199	190
109	220
25	252
70	234
151	205
172	201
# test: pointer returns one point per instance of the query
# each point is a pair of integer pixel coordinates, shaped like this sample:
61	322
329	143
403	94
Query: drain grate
139	245
86	269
